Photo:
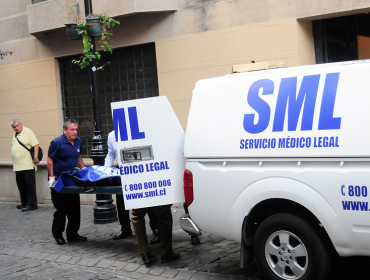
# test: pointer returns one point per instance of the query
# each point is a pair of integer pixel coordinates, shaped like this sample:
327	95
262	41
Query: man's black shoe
60	240
78	238
122	234
155	240
28	208
19	206
170	258
195	240
147	258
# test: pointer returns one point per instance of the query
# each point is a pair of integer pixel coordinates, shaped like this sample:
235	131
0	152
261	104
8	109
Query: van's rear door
150	143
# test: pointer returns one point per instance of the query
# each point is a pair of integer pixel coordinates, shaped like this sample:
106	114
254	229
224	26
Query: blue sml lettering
260	105
326	120
288	98
119	122
290	104
134	124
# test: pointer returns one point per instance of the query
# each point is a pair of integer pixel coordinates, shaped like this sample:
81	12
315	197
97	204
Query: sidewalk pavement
29	251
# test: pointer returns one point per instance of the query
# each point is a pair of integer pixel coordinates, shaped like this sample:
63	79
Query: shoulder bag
32	150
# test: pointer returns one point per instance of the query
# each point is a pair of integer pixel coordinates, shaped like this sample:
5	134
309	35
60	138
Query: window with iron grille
132	74
342	38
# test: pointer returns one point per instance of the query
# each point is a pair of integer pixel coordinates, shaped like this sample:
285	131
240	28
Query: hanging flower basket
72	33
72	25
103	25
93	26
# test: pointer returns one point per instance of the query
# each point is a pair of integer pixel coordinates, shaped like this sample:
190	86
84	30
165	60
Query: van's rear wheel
288	247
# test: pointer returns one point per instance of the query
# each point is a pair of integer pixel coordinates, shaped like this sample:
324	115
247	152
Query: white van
279	160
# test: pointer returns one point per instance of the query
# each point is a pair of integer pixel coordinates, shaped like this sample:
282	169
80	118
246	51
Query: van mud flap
189	226
246	250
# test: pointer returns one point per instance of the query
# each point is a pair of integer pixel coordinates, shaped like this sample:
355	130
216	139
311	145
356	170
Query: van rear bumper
189	226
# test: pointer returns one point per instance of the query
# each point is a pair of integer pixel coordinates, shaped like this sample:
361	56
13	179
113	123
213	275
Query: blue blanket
95	175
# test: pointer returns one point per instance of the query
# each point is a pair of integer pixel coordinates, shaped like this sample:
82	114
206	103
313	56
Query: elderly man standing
64	154
23	165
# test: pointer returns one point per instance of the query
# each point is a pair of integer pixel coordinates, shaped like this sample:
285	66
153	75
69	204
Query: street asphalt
28	251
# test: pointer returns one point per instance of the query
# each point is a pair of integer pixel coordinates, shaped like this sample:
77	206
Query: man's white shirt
112	150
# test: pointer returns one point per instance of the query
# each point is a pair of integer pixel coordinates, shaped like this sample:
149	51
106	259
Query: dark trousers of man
26	183
124	215
66	205
164	217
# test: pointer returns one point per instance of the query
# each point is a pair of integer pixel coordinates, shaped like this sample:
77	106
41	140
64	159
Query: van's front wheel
288	247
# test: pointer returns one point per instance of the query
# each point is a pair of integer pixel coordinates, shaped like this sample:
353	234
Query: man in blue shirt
64	154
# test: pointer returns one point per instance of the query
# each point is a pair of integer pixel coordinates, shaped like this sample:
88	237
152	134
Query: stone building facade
162	48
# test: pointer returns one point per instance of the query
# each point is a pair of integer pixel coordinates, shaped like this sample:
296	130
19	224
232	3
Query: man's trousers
66	205
26	182
164	217
124	215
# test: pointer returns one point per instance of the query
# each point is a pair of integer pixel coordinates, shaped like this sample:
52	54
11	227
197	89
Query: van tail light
188	187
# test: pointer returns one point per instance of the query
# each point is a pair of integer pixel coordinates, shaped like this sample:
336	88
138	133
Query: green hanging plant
107	24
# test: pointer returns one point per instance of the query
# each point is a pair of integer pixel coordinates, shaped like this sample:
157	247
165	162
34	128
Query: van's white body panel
331	182
224	195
